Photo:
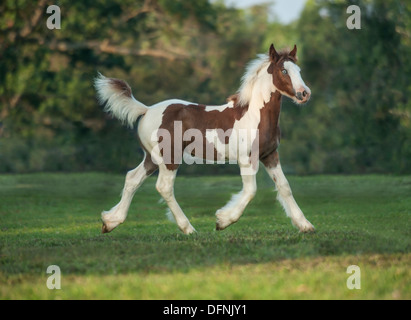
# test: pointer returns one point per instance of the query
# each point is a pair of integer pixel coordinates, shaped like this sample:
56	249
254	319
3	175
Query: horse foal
245	131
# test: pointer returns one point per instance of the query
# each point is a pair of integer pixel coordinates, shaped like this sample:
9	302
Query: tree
49	117
355	121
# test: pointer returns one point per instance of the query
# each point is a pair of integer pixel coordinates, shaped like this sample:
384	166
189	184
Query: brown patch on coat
149	165
269	133
269	126
195	116
271	160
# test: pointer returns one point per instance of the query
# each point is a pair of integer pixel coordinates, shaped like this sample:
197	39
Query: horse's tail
119	99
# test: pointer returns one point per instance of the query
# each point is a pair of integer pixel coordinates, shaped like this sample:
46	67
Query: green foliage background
358	119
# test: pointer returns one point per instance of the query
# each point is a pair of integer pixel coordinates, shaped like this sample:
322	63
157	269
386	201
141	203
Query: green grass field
54	219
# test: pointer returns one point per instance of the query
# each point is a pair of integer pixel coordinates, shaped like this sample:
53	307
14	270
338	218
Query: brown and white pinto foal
245	130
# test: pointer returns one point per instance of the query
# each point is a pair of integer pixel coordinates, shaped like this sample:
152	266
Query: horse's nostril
305	93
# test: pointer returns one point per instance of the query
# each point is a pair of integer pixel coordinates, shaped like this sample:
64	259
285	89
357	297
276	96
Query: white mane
251	77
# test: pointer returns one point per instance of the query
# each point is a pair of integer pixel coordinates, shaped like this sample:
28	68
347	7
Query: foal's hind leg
134	179
284	195
165	186
233	210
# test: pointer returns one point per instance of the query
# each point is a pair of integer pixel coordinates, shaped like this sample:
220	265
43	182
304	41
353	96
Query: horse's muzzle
303	95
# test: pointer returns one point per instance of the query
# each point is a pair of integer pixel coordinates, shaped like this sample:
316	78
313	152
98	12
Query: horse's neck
267	107
262	91
272	108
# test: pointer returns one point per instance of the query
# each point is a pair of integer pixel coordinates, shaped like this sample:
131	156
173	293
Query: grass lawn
54	219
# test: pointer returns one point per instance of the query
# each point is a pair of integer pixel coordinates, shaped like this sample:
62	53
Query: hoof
104	229
307	228
219	227
188	230
109	226
225	218
221	224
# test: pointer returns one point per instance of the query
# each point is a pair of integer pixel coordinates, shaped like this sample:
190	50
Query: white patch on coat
294	72
220	108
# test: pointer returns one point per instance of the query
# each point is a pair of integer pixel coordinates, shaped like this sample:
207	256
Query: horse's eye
284	71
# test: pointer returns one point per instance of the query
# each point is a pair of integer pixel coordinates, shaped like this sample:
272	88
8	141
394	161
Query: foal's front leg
284	195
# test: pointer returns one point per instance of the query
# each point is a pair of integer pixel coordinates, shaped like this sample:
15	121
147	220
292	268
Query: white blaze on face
294	72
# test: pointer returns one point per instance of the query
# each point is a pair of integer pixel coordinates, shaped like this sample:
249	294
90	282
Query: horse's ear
274	56
293	52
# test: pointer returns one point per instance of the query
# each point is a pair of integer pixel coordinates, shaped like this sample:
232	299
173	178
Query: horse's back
165	114
153	119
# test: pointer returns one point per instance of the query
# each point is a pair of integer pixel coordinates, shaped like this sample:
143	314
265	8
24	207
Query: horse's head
286	75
